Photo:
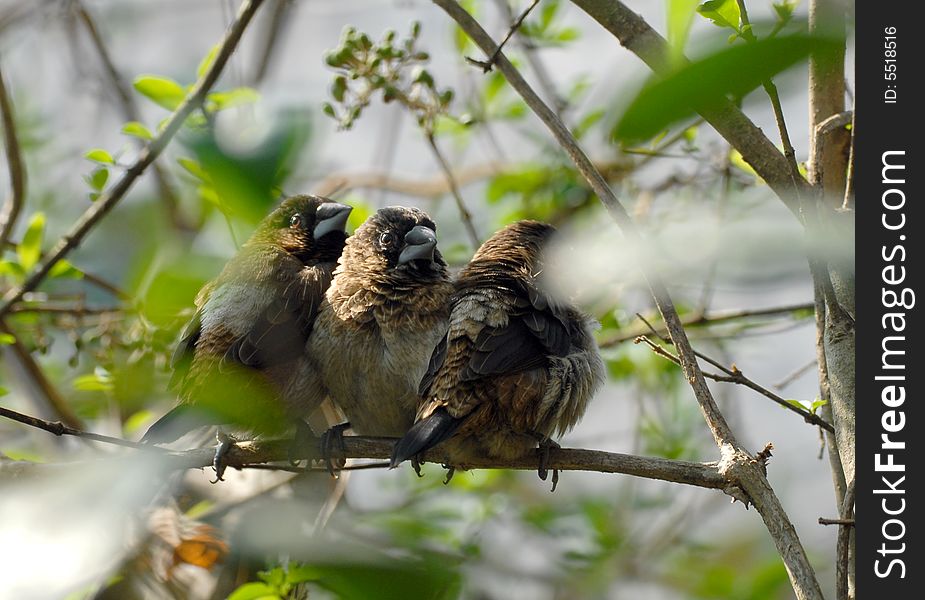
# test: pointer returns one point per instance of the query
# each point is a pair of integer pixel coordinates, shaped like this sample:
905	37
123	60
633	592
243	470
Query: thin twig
108	200
15	166
247	454
58	428
705	319
464	213
774	96
734	375
271	39
56	405
794	375
843	568
824	521
131	113
486	65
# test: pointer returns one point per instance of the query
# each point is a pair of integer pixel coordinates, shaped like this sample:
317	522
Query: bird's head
518	246
308	227
396	243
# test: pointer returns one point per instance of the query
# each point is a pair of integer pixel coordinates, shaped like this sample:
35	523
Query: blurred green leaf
680	18
98	381
164	92
194	169
12	268
98	178
65	270
236	97
207	61
706	83
101	156
29	249
255	591
136	129
7	339
723	13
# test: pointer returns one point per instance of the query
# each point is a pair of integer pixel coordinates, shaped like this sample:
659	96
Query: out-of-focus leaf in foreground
708	82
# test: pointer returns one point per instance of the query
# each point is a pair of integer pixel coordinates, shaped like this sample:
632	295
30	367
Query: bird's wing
183	354
279	334
536	329
436	361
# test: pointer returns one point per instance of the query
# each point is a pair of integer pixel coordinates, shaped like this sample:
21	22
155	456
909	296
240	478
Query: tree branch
108	200
756	149
15	166
464	213
130	113
704	319
247	454
737	464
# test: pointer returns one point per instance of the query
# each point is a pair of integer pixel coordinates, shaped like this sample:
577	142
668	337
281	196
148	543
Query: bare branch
704	319
464	213
17	198
130	113
249	454
487	65
728	120
108	200
734	375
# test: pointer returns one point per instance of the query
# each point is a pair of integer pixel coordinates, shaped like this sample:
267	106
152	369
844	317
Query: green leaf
136	129
254	591
65	270
680	18
98	381
707	83
723	13
12	268
236	97
736	159
29	249
164	92
817	404
98	178
99	155
207	61
194	168
4	392
7	339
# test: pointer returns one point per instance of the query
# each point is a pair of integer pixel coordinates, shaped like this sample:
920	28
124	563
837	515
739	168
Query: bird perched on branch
385	311
241	360
516	367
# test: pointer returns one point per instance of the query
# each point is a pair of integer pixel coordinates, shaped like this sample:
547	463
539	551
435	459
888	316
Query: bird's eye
295	221
386	239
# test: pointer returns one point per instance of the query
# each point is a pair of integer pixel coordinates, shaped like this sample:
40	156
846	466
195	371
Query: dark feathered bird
241	359
385	311
515	368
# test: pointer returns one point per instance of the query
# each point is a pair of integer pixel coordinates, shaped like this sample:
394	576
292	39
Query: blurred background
91	346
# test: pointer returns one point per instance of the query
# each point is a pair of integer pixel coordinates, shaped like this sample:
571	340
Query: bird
386	309
241	359
516	368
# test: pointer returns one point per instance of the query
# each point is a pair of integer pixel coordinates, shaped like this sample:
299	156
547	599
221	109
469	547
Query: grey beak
420	243
330	217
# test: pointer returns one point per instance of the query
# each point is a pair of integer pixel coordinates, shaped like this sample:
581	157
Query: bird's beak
330	217
419	244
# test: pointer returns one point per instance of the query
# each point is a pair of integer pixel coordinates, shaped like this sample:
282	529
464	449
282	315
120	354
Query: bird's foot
225	442
450	471
334	437
416	464
304	438
543	471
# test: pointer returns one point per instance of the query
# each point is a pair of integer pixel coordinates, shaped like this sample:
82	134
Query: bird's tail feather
425	434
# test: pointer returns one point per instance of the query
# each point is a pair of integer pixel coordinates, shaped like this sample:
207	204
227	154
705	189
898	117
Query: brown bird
385	311
241	359
515	368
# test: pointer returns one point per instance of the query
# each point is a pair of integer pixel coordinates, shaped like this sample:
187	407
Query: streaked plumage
384	312
516	366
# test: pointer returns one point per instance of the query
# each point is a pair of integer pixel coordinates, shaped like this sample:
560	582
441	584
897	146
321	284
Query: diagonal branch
130	112
108	200
14	203
737	464
759	152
